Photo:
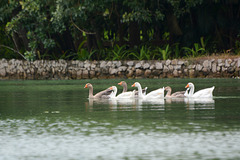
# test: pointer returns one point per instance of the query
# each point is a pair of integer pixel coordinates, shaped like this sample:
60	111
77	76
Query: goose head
114	88
88	85
114	91
168	88
189	85
136	84
122	83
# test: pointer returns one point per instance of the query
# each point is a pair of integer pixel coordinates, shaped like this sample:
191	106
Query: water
55	120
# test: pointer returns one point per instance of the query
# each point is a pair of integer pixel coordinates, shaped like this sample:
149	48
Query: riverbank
203	67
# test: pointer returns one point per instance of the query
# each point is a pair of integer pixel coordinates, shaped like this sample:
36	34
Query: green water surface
55	120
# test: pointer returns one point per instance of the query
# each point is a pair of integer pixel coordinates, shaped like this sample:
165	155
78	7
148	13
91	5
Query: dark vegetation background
118	29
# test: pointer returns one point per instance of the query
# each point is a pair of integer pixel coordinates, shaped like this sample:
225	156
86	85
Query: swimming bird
158	93
105	94
176	94
203	93
128	94
114	92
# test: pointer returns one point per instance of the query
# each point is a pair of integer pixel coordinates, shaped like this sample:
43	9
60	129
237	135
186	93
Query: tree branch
13	50
81	29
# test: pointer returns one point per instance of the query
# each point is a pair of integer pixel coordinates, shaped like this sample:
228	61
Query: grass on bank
144	52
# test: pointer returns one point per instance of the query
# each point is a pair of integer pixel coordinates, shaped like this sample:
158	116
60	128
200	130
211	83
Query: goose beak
86	86
120	83
187	86
133	85
111	88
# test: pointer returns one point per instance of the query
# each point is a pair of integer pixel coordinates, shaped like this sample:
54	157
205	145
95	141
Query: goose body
105	94
129	94
158	93
203	93
176	94
122	100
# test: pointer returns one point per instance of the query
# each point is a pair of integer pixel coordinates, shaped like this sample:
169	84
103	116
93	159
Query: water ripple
32	139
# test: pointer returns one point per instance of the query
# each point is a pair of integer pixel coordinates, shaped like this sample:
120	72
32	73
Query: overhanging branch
81	29
13	50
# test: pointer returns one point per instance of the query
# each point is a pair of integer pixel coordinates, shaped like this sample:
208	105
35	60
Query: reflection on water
55	120
200	103
77	139
189	102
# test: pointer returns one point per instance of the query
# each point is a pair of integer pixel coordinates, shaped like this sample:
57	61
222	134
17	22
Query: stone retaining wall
61	69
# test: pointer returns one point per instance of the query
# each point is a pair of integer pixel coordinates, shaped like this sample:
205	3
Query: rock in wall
62	69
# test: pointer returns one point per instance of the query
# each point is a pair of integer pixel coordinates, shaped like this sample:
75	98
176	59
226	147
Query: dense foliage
117	29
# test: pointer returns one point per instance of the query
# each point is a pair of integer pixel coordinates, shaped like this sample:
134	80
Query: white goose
114	92
121	100
125	94
158	93
128	94
204	93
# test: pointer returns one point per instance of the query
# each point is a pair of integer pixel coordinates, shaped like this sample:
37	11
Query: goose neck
140	94
90	94
191	90
124	87
168	93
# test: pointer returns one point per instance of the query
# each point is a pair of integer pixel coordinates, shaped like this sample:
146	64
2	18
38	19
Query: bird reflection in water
199	103
132	103
190	103
193	103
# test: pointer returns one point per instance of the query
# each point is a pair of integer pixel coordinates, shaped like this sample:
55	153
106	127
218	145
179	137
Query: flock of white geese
111	92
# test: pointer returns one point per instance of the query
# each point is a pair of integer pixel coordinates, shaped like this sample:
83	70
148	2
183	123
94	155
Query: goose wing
207	92
125	94
158	93
178	94
104	94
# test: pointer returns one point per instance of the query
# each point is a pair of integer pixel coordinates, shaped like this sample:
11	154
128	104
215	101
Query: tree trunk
145	33
23	35
173	25
16	41
92	45
134	34
68	41
91	42
20	40
120	32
